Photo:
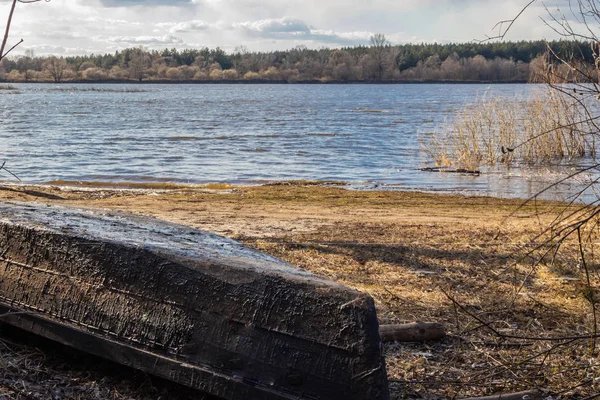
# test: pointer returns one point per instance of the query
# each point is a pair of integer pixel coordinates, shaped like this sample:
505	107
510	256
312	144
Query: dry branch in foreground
415	332
530	395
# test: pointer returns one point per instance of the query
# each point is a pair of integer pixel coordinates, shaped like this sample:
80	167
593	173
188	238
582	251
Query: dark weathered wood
451	170
187	305
190	375
529	395
415	332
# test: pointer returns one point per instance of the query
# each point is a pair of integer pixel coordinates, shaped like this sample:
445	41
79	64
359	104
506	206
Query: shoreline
170	188
266	82
352	186
184	188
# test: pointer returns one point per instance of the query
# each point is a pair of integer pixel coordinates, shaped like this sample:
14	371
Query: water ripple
239	134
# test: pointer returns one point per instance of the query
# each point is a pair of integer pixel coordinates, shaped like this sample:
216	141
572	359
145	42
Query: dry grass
408	267
408	250
547	128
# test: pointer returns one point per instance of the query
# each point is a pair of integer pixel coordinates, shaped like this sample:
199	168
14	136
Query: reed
547	128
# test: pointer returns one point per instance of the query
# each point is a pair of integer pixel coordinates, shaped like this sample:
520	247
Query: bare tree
139	63
340	65
381	53
379	40
242	59
56	68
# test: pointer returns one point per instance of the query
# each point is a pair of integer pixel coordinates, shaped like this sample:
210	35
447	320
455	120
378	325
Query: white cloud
189	26
288	28
105	25
56	50
284	25
147	40
144	3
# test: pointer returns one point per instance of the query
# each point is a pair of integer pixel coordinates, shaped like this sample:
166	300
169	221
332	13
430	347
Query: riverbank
268	81
450	259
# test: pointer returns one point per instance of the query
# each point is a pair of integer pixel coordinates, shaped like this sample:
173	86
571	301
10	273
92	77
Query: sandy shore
414	253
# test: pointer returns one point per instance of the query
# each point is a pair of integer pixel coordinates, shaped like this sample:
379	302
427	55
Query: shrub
117	72
271	74
216	74
188	72
174	74
94	74
251	75
15	76
230	74
201	76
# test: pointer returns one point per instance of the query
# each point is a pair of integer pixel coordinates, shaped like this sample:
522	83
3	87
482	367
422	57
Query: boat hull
187	305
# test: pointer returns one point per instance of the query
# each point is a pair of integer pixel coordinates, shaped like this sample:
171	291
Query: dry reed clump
545	129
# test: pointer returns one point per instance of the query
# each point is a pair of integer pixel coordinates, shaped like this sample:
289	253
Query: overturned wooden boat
186	305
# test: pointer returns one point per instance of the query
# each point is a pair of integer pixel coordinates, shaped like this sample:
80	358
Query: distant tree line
378	62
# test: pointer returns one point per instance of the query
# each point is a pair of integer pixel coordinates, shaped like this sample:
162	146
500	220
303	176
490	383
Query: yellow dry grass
409	251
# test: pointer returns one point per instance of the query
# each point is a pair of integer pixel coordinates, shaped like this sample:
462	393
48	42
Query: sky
68	27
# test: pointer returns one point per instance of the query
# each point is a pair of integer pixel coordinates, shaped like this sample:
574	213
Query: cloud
147	40
111	22
144	3
288	28
274	26
56	50
189	26
107	25
62	35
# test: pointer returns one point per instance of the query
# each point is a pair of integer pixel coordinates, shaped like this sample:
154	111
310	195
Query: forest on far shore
378	62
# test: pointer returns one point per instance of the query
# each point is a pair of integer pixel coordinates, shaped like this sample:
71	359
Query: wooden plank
187	305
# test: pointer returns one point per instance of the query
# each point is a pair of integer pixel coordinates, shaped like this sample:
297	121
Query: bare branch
9	22
6	32
510	22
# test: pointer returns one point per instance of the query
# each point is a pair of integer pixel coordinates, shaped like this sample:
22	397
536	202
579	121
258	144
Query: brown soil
451	259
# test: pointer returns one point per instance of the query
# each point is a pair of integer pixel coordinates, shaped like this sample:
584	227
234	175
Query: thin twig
488	325
510	22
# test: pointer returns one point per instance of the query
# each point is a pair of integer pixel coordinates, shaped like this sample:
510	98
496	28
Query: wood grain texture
187	305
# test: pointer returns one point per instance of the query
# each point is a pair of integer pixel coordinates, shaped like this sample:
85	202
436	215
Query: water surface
368	135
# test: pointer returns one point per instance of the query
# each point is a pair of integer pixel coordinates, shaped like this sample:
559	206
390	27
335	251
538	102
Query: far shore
265	81
407	250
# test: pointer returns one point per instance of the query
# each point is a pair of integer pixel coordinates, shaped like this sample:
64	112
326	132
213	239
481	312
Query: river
371	136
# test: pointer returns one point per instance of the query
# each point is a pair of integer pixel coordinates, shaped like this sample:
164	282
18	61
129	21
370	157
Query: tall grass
549	127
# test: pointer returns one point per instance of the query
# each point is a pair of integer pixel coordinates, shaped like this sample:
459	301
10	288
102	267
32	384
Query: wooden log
414	332
451	170
528	395
187	305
